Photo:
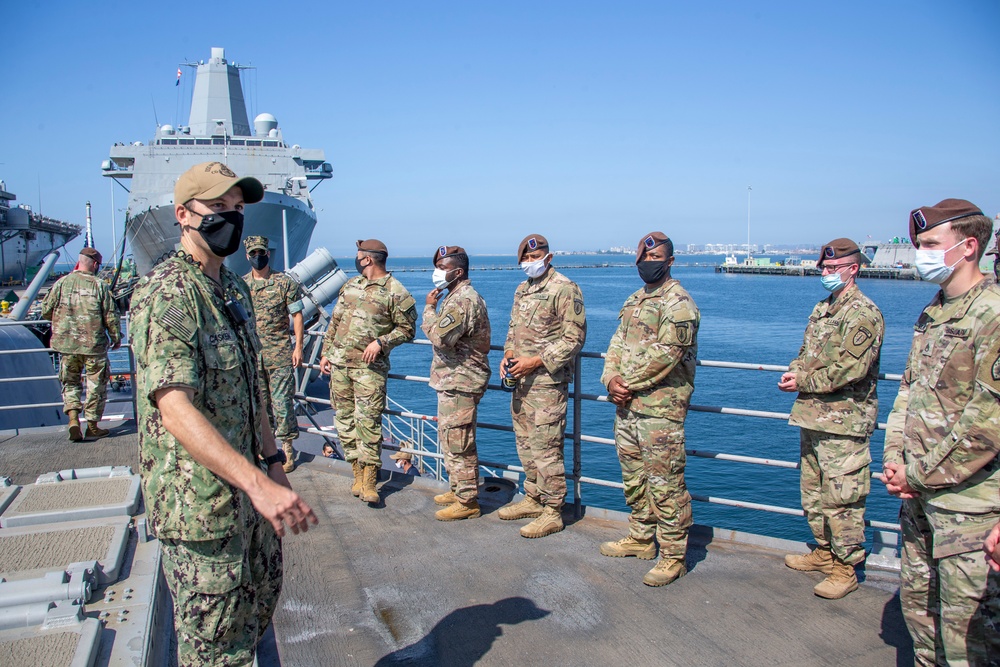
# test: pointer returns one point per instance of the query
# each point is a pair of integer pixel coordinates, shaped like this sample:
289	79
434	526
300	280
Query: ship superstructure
26	237
218	129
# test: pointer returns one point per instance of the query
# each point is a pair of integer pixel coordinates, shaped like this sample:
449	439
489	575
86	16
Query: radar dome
264	123
167	129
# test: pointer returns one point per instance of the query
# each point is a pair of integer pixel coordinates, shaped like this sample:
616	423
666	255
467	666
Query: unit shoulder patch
447	322
859	339
989	369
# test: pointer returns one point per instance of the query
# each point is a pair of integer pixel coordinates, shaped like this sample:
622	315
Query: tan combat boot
665	572
289	465
550	521
526	509
359	475
75	434
446	498
818	560
841	581
458	511
369	494
629	546
95	431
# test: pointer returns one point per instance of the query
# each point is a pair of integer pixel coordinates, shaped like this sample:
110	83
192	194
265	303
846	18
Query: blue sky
592	123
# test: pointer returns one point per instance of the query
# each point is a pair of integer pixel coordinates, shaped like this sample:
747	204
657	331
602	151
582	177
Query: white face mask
931	264
440	278
534	269
399	464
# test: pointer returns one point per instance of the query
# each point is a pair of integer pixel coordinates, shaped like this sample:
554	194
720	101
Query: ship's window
237	142
251	142
168	142
270	144
203	142
186	142
221	141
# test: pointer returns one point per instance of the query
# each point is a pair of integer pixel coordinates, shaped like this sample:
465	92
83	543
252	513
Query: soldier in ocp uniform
548	326
373	315
836	375
215	507
649	372
460	334
942	444
84	320
276	296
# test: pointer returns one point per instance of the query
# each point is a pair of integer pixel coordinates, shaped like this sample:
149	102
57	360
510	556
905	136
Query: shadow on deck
390	585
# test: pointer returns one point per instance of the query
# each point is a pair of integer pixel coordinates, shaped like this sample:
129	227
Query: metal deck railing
397	419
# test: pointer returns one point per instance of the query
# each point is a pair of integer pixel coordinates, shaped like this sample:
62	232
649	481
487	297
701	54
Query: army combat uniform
547	320
460	371
274	299
945	429
367	310
221	560
83	318
654	351
836	373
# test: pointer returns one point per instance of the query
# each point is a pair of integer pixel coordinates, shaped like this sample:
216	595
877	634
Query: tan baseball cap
210	180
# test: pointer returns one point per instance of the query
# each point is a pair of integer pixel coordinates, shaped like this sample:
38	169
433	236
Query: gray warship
26	237
218	129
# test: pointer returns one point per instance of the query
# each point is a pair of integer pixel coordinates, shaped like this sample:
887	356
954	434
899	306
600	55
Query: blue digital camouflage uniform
547	320
837	407
654	351
274	299
460	371
367	310
221	560
945	429
84	321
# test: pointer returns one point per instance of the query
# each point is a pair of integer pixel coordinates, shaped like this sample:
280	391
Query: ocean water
758	319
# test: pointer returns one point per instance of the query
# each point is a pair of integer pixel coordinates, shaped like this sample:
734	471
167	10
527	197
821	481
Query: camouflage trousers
950	597
358	396
834	483
457	437
278	385
98	372
539	417
651	453
225	592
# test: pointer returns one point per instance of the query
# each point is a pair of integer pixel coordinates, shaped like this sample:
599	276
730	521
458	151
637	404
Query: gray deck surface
389	585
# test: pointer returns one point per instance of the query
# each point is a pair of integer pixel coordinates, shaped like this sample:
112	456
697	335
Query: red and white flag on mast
178	82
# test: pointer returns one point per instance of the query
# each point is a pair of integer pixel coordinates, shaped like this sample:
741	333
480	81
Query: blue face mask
832	282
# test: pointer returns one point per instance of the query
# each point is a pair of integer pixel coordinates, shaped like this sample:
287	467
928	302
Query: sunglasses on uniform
255	253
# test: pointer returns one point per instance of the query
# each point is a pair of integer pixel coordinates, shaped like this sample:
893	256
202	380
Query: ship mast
88	239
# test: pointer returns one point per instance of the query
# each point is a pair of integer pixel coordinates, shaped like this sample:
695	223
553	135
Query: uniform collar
942	309
541	281
667	285
378	281
834	306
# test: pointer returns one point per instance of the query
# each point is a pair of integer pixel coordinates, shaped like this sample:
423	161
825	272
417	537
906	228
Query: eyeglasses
255	253
831	268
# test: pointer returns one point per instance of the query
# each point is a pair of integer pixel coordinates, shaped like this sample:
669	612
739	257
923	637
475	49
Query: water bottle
509	383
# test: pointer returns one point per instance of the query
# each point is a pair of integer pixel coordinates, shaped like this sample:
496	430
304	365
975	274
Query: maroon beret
532	242
448	251
373	245
838	248
947	210
92	254
650	241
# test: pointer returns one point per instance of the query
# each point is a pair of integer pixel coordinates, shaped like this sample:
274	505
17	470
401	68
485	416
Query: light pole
749	190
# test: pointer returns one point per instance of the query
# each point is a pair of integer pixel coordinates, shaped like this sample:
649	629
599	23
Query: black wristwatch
278	457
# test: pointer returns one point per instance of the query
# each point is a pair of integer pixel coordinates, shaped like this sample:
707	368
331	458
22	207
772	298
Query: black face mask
222	231
357	265
653	272
259	261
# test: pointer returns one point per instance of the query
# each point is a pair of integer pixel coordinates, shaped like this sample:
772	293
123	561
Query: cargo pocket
850	488
202	576
456	429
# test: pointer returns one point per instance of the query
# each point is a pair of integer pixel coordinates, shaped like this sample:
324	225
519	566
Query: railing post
577	403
